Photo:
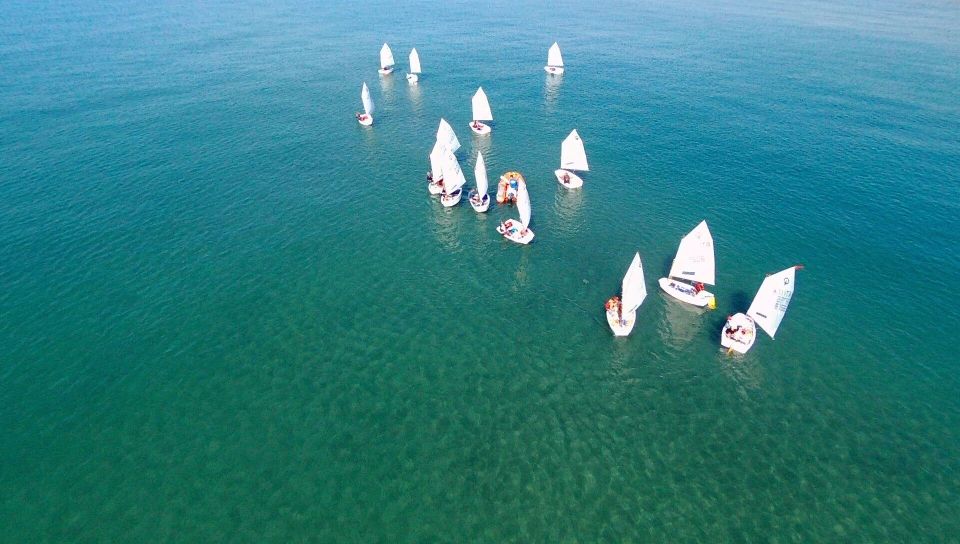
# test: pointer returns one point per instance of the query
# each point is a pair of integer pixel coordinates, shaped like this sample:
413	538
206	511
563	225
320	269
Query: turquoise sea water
229	313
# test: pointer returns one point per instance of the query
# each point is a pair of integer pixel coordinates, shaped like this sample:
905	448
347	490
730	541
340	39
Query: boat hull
451	200
481	206
739	333
435	187
684	292
574	181
365	120
413	78
553	70
512	230
385	71
621	327
479	128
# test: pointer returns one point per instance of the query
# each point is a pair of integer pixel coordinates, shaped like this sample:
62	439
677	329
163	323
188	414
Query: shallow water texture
229	313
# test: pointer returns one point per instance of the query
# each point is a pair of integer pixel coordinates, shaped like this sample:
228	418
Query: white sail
453	178
633	289
480	173
572	154
414	61
523	204
365	98
447	137
481	106
553	56
386	57
770	304
695	259
436	160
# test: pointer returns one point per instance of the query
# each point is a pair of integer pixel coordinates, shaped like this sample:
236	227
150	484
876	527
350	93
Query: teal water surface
229	313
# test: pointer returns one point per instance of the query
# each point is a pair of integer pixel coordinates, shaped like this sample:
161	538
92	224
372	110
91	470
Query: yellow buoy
712	304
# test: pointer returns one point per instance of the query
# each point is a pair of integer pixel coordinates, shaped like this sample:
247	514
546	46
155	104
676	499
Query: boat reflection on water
416	98
520	277
551	91
447	225
568	205
744	370
681	322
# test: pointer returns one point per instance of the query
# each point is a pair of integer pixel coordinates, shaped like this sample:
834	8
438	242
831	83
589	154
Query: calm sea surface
229	313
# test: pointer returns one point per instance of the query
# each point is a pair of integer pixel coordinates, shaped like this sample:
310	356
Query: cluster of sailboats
693	267
481	106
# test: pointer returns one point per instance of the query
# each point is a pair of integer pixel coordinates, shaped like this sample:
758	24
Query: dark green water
228	313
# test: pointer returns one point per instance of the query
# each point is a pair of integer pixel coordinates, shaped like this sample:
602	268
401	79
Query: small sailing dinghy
479	198
554	60
447	137
481	112
519	230
767	310
386	60
622	312
365	118
453	181
413	76
572	157
695	264
435	177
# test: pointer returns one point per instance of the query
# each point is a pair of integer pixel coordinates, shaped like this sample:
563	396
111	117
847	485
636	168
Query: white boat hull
451	200
435	188
684	292
739	333
480	205
365	120
413	78
554	70
513	230
480	128
385	71
621	327
573	181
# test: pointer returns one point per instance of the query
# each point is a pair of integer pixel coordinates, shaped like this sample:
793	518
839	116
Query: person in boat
430	176
476	125
359	116
566	177
697	287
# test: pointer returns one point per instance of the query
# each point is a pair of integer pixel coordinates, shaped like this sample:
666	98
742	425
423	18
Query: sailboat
365	118
435	177
694	263
519	230
572	157
447	137
622	313
767	310
481	112
413	76
554	60
386	60
453	181
479	198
